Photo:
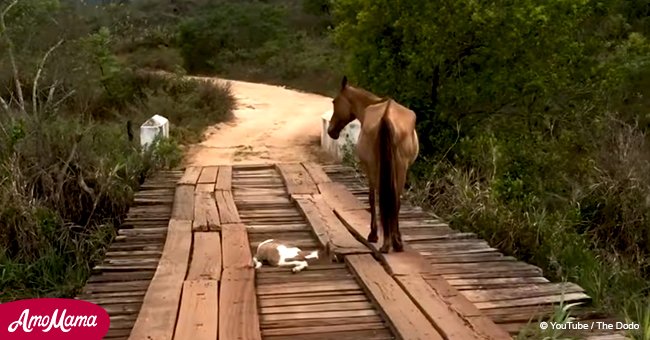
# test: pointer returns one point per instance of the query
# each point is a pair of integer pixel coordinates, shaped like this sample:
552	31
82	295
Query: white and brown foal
278	254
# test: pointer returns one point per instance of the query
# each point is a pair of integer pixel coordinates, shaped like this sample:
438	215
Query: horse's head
342	115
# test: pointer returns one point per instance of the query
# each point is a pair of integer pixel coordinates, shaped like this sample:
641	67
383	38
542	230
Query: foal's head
343	114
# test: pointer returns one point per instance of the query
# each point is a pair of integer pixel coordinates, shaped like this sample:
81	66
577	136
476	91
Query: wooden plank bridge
181	268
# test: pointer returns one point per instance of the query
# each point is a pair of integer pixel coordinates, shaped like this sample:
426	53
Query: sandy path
271	124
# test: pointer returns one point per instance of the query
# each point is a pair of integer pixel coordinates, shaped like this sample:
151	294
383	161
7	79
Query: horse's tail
388	199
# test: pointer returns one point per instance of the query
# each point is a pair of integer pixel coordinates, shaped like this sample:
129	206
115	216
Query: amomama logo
52	318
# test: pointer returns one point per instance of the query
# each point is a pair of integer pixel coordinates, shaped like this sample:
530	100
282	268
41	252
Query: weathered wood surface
190	176
332	234
316	172
406	318
224	179
322	302
238	318
297	179
206	257
453	322
448	278
208	175
206	214
236	249
198	318
339	198
119	283
157	317
183	208
227	209
469	266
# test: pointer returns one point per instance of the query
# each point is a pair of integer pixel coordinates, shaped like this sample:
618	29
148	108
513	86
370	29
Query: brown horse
387	146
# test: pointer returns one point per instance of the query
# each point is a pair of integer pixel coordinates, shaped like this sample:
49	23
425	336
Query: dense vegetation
82	71
533	118
68	168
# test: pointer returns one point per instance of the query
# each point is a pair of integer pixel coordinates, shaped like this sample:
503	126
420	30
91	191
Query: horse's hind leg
396	236
372	237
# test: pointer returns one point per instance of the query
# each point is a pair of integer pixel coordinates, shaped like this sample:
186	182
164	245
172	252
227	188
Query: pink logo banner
52	318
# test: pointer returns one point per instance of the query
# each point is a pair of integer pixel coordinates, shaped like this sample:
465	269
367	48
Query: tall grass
597	239
68	164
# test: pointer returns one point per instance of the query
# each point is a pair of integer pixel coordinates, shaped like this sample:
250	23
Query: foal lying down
278	254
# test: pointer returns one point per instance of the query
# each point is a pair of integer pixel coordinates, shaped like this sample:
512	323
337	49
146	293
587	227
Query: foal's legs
297	265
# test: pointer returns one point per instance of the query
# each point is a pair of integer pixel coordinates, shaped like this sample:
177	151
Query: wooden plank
498	281
319	315
190	176
410	262
311	214
183	207
332	234
208	174
206	257
295	287
235	247
358	223
321	307
227	209
567	298
198	318
318	175
157	316
407	262
323	322
339	197
448	321
405	317
206	215
205	187
238	305
383	334
312	300
297	331
524	291
296	179
224	179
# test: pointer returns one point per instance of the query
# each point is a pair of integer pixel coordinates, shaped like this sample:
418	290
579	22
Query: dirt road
271	124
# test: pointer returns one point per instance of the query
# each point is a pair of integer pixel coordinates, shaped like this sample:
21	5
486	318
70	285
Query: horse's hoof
372	238
384	249
398	246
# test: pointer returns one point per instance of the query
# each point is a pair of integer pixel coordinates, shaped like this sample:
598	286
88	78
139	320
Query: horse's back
402	120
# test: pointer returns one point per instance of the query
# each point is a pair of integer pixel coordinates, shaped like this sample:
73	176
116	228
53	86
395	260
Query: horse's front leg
372	237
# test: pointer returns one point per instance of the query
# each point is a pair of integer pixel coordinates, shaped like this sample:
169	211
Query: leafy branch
12	58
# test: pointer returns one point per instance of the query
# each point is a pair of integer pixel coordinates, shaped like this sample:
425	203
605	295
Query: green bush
533	121
229	32
68	167
274	42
